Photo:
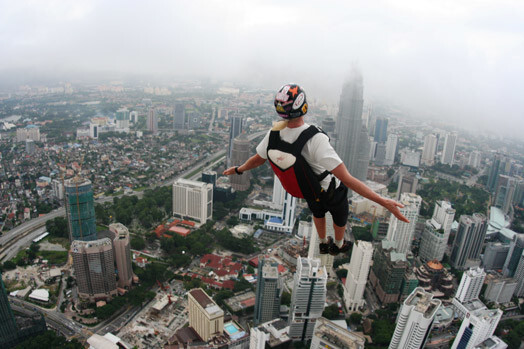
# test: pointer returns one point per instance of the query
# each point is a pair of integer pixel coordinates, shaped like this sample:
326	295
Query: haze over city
457	62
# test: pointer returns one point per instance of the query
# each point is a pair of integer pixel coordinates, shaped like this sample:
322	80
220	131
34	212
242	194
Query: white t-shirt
317	151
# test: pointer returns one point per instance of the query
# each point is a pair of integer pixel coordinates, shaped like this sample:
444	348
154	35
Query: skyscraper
122	253
152	121
8	327
326	260
179	122
470	285
269	290
234	131
400	232
240	153
516	249
448	153
414	320
193	199
388	271
350	142
286	202
358	274
504	192
205	316
327	334
381	130
80	209
519	277
476	327
391	149
499	165
474	159
468	241
436	232
407	183
122	119
307	301
430	148
94	266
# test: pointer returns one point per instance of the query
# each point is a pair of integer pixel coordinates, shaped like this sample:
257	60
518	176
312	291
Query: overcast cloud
456	60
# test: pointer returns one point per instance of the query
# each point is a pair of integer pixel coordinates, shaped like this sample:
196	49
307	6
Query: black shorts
335	202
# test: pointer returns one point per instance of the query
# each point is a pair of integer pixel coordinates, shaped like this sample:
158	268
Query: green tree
355	318
138	243
331	312
50	339
285	299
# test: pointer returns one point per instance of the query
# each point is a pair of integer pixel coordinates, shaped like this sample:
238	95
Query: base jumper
308	167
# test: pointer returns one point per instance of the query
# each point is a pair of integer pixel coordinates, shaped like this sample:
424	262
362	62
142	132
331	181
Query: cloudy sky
453	60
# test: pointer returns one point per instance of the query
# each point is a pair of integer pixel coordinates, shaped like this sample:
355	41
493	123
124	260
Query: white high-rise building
470	285
326	260
476	327
400	232
430	148
474	159
358	274
287	202
308	299
414	320
257	338
391	149
448	153
29	132
193	199
436	232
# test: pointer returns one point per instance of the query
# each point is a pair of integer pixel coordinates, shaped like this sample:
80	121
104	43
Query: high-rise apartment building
448	153
30	146
179	122
505	189
8	327
388	272
407	183
499	165
205	316
475	157
268	292
495	254
152	121
436	232
470	285
235	130
122	119
286	202
240	153
122	253
93	130
468	240
476	327
193	200
358	274
391	149
326	260
351	144
80	209
327	334
31	132
414	320
430	149
516	249
400	232
307	301
381	130
94	266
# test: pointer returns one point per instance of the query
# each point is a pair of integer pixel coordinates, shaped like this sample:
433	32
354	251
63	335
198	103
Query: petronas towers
353	145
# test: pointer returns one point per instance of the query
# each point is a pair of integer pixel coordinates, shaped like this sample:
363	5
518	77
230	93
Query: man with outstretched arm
308	167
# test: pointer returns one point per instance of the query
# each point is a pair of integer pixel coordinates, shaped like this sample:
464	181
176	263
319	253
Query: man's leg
339	232
320	224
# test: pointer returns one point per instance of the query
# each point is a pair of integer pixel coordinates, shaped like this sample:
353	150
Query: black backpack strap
305	136
274	139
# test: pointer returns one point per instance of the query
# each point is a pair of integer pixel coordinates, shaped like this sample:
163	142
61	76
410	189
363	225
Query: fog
458	61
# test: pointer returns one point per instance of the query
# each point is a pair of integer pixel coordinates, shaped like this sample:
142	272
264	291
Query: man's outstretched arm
251	163
354	184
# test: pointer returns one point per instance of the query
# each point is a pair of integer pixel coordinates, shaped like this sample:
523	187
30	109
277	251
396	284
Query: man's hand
230	171
393	207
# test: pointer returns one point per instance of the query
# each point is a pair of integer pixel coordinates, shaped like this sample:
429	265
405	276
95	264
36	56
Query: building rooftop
269	271
201	297
396	257
77	244
338	336
423	302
